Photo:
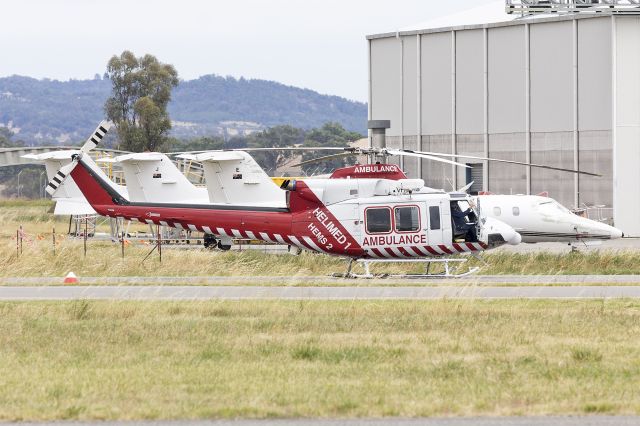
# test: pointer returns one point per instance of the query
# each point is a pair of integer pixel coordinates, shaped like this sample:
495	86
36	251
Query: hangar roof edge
536	19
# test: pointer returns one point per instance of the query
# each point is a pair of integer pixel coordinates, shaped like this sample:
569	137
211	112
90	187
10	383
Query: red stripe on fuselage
377	252
458	247
391	252
405	252
432	251
444	249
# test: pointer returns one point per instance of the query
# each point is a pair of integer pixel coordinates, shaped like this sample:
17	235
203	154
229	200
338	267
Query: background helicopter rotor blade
325	157
91	143
287	148
541	166
96	137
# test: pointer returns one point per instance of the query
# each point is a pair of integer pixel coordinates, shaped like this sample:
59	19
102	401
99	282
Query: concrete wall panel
410	85
436	83
470	145
627	132
393	142
437	175
507	83
553	149
507	178
551	77
470	82
594	74
596	156
385	75
628	66
411	164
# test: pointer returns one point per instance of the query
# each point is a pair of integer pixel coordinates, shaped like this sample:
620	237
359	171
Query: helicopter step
450	271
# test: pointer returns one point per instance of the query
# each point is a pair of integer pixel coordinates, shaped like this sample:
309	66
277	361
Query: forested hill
50	111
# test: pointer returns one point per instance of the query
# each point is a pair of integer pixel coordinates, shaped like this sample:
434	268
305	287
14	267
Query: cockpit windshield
553	206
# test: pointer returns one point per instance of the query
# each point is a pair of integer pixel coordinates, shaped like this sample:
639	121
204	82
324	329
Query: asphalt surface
483	280
481	421
311	293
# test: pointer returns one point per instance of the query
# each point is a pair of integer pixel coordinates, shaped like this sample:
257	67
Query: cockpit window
497	211
516	211
553	205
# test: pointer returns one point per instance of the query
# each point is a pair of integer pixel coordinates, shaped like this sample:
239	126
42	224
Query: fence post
53	235
159	243
85	236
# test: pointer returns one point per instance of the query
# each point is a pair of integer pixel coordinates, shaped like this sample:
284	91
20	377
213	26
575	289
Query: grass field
160	360
104	258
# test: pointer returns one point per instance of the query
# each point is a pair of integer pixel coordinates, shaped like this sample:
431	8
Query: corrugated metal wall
537	91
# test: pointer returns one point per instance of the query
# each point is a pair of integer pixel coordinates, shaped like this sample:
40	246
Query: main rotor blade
288	148
540	166
96	137
427	156
326	157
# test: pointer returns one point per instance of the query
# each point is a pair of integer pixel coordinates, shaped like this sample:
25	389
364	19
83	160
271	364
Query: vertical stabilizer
153	177
234	177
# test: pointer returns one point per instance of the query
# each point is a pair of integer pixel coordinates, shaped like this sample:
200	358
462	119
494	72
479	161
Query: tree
141	91
329	135
205	143
278	136
6	139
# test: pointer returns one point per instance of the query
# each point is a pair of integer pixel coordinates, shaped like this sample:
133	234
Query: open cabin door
438	230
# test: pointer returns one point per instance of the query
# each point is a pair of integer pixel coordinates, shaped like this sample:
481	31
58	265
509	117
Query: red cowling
369	171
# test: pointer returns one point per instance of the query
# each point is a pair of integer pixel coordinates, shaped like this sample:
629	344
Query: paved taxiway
480	421
312	293
483	280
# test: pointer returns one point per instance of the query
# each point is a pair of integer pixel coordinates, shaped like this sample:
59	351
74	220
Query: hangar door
475	174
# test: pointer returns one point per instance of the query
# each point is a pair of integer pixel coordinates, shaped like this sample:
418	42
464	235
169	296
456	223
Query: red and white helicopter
368	218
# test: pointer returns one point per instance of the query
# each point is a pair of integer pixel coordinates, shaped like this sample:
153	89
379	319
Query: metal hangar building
552	82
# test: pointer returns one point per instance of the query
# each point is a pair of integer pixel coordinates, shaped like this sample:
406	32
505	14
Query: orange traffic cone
70	278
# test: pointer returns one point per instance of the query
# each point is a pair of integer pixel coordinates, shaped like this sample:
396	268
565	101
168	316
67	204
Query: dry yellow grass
160	360
104	259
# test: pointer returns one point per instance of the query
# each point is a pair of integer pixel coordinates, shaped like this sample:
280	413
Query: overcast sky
316	44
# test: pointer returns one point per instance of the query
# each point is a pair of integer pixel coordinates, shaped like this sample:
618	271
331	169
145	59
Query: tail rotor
90	144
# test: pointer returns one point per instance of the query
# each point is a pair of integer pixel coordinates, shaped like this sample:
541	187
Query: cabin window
378	220
434	217
407	219
516	211
497	211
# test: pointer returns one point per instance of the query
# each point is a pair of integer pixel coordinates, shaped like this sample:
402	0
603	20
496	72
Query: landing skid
450	271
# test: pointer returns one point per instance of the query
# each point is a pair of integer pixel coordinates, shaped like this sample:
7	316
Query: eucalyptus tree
141	91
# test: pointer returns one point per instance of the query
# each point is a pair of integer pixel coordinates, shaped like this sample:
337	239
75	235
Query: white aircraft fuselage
542	219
